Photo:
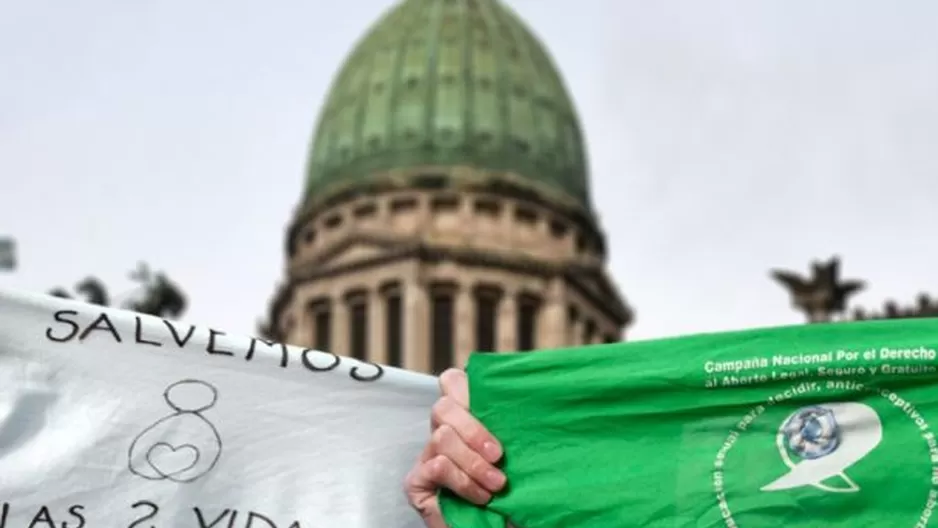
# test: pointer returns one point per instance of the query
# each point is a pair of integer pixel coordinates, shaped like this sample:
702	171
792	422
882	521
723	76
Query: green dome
449	83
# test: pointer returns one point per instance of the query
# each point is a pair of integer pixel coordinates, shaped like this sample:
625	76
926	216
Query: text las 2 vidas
142	514
68	326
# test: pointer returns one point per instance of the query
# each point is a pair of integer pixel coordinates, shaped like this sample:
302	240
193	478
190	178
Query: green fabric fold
815	425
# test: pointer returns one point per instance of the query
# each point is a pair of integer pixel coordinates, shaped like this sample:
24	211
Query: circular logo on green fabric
869	458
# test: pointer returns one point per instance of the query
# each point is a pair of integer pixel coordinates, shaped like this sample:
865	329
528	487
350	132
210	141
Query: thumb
421	490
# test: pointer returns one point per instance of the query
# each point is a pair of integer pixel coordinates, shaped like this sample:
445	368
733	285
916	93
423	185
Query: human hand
459	456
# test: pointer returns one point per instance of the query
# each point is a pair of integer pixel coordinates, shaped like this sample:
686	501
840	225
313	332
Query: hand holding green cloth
827	425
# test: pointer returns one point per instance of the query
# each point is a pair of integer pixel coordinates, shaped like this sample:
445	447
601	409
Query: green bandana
827	425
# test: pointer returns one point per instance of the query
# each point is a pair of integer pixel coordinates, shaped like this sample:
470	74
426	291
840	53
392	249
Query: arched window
589	332
486	318
528	311
394	325
358	325
441	327
322	324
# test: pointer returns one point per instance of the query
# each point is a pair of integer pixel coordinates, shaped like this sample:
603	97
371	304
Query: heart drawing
170	461
183	446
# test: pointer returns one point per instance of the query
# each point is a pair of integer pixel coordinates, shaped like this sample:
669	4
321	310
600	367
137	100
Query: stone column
340	327
510	225
424	217
302	332
377	344
467	224
416	323
552	324
508	322
465	324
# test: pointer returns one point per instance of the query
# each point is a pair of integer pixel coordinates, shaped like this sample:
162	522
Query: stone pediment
351	252
348	254
595	283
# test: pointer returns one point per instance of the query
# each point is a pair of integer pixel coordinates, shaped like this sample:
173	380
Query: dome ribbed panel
452	83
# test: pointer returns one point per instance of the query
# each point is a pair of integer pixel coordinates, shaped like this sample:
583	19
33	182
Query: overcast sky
726	138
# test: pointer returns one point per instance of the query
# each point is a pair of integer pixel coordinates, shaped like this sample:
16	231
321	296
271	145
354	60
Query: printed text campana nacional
797	360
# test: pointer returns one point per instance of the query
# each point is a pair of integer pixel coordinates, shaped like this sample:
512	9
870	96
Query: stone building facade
447	207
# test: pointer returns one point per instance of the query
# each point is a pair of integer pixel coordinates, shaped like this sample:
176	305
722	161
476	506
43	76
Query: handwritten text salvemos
69	326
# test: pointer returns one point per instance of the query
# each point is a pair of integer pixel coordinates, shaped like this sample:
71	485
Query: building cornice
461	179
589	280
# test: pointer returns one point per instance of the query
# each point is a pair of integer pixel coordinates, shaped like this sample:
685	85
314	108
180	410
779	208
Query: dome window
487	207
431	181
333	221
526	215
445	203
402	204
365	210
558	229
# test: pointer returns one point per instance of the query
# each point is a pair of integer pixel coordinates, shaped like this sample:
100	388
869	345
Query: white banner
116	420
